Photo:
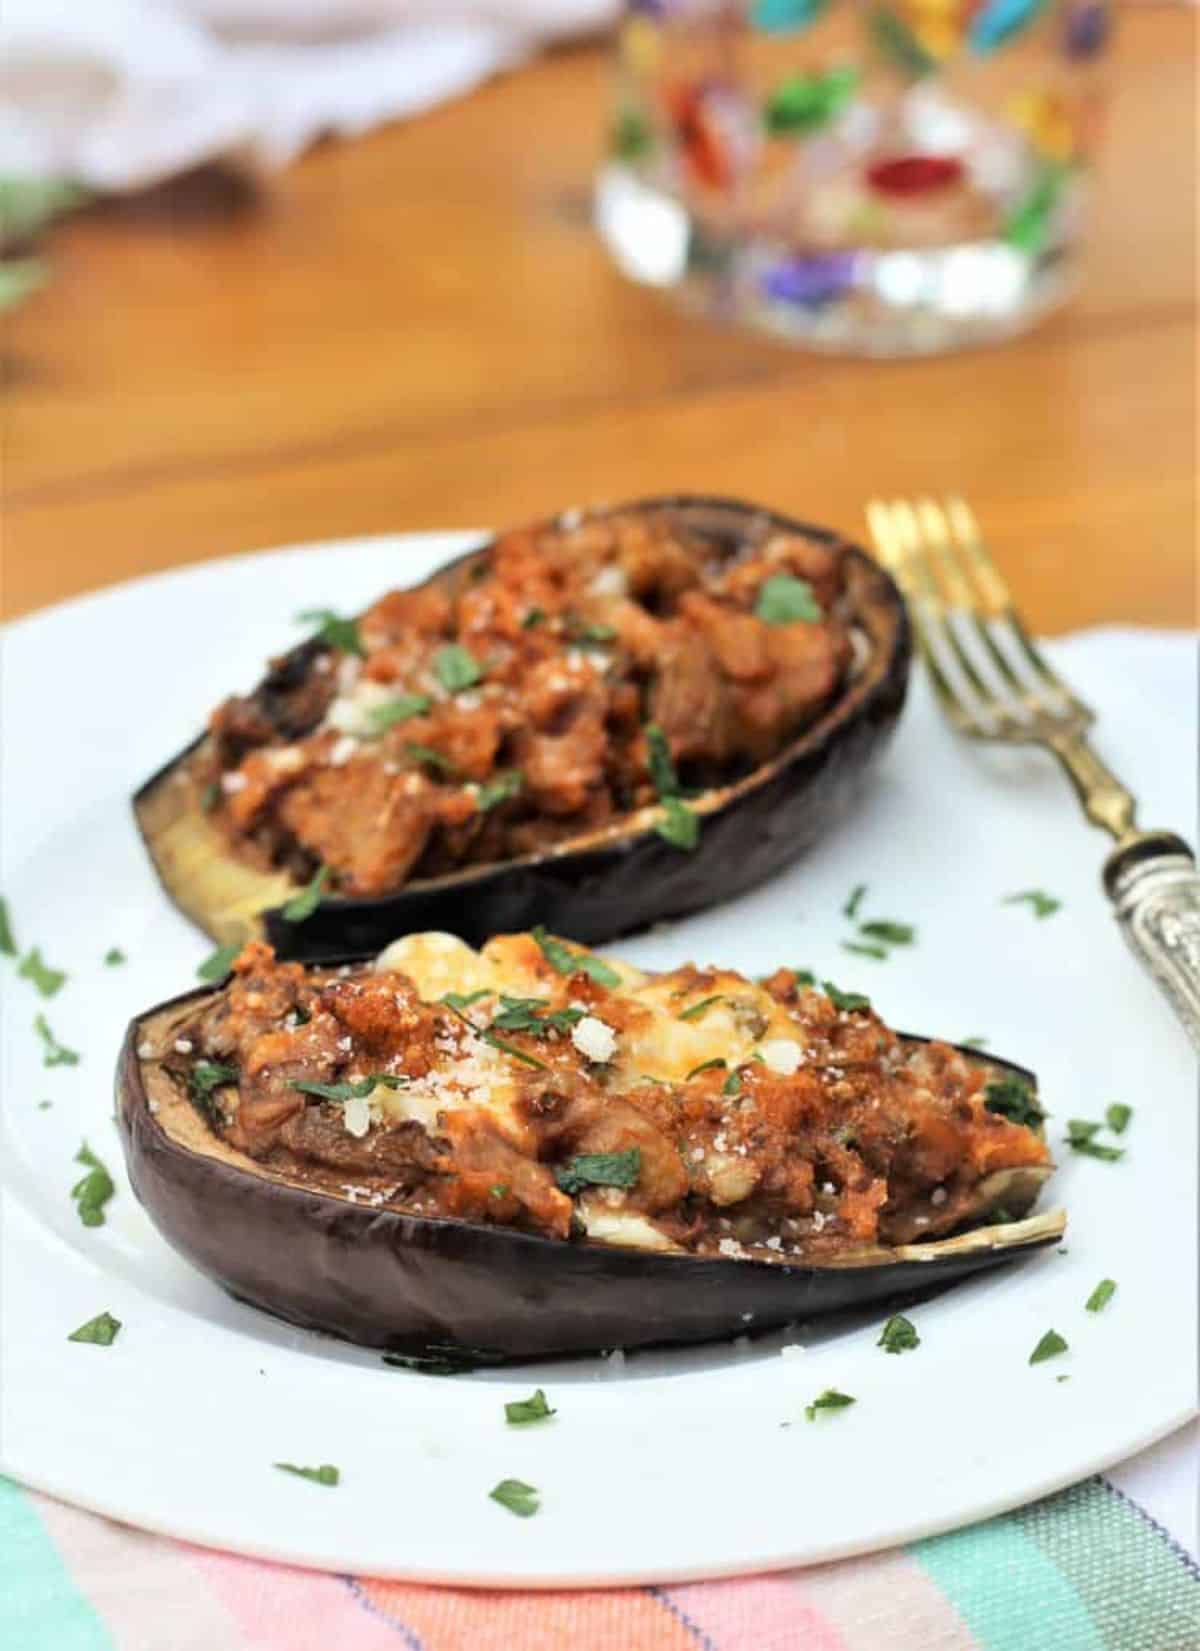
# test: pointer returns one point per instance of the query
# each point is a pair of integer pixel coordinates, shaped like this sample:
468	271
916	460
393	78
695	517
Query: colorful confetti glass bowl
886	179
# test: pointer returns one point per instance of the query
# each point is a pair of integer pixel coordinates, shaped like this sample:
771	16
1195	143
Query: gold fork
994	683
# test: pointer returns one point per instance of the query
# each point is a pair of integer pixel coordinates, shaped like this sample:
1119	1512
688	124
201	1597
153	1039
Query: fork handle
1154	885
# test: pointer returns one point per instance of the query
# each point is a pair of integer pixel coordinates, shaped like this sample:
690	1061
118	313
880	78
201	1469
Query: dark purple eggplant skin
594	893
388	1280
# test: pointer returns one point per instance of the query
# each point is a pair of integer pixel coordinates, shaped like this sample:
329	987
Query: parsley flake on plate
1101	1295
93	1190
566	962
864	948
301	906
8	946
890	934
53	1052
1040	903
517	1497
831	1399
857	896
100	1331
456	668
1080	1137
326	1474
113	957
899	1335
219	963
34	968
533	1409
784	600
599	1169
974	1043
1050	1346
334	631
1117	1117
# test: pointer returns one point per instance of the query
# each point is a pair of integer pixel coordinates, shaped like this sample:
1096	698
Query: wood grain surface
419	329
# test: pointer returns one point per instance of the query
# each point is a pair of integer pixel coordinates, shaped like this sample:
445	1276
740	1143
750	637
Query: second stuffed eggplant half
530	1149
594	722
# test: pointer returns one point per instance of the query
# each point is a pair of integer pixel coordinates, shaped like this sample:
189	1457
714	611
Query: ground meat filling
568	1106
503	708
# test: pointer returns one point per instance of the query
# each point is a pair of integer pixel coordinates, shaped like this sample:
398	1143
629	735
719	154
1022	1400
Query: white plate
677	1465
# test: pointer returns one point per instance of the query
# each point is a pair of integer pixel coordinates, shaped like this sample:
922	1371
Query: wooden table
420	330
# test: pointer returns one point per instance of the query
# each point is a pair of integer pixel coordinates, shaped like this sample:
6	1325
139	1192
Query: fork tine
997	595
965	593
894	529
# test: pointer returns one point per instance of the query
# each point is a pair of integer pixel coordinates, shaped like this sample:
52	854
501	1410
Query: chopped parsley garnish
334	631
326	1474
522	1014
831	1399
534	1409
706	1066
600	1169
732	1084
517	1497
499	1190
857	895
1050	1346
697	1009
218	964
382	717
100	1331
535	616
974	1043
351	1091
1012	1098
783	599
8	946
499	789
1117	1117
1080	1137
301	906
458	1001
592	636
455	668
660	762
434	759
114	956
206	1077
679	826
863	948
1041	903
53	1052
93	1190
566	962
45	979
44	1106
899	1335
1101	1295
891	934
804	977
210	796
849	1001
511	1049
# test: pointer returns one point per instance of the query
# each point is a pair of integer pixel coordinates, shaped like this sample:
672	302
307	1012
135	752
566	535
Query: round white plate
665	1465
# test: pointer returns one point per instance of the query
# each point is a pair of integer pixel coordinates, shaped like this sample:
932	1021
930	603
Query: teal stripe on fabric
1006	1591
43	1610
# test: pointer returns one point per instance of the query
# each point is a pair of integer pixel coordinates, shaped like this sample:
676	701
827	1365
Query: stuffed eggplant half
531	1150
595	722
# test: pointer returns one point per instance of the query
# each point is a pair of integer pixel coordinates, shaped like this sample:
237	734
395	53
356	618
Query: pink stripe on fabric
280	1609
144	1588
755	1614
884	1602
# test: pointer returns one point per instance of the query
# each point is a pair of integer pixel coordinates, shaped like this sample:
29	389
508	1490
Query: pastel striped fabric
1083	1571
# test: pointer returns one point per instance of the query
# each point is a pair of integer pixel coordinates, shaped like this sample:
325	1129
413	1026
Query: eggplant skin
618	880
388	1280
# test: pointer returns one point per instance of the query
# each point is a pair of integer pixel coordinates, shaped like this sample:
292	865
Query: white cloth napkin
119	94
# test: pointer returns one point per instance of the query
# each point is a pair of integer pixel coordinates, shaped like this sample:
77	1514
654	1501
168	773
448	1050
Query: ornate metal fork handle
940	561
